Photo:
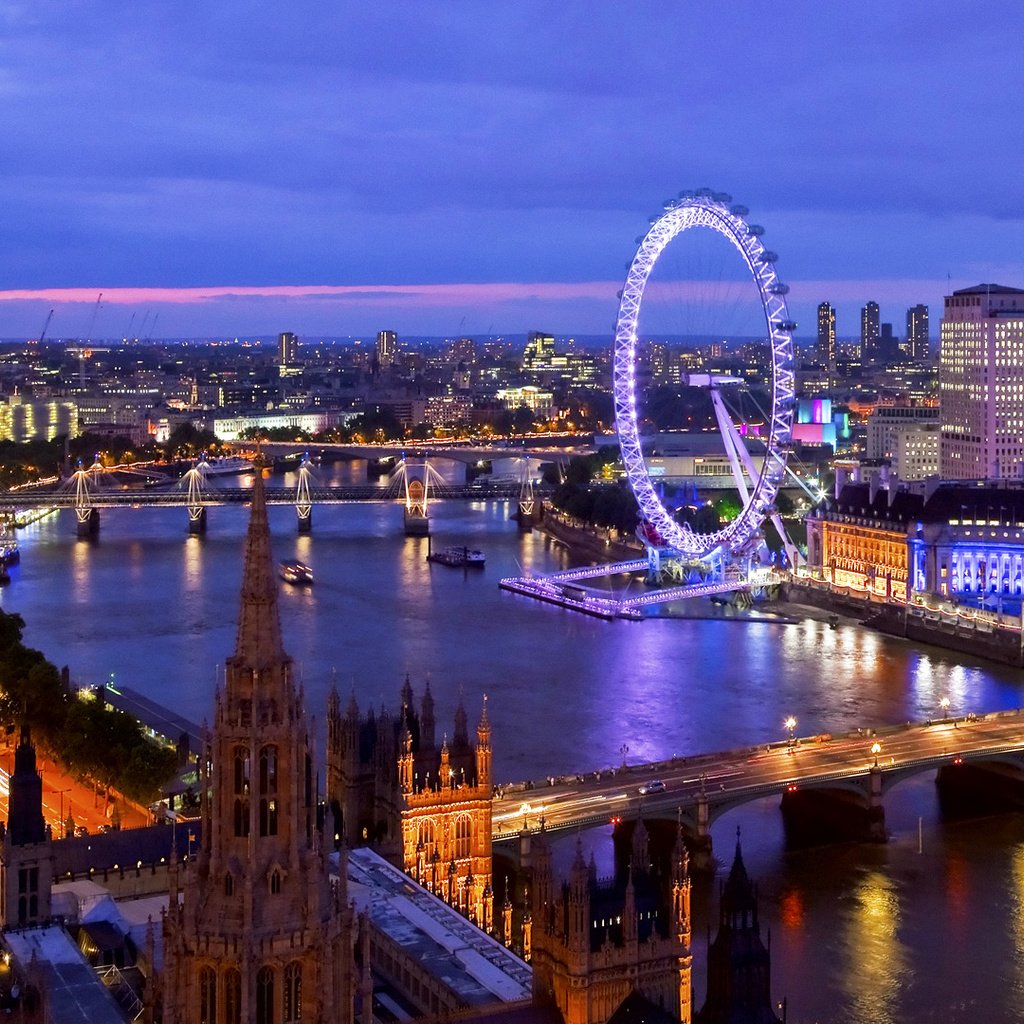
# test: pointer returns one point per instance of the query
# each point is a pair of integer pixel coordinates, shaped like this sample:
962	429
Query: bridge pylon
87	516
416	474
303	499
195	483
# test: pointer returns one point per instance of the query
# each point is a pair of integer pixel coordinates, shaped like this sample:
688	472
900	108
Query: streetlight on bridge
624	751
790	724
876	749
944	704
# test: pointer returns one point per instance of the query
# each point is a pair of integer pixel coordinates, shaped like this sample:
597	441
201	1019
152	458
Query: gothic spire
259	625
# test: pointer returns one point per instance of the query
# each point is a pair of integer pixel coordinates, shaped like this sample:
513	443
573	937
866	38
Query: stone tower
739	965
26	863
426	808
261	934
597	943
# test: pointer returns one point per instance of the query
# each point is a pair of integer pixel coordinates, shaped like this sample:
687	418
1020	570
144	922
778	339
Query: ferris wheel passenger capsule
722	197
767	256
755	229
705	193
739	210
687	193
789	326
779	288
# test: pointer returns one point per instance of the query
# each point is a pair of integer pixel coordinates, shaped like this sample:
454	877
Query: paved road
598	797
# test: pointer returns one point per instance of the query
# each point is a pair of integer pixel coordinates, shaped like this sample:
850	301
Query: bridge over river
835	783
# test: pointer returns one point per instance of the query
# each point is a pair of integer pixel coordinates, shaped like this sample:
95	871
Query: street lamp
944	704
790	724
624	751
876	749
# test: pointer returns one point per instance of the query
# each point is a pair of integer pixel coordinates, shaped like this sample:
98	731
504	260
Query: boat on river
295	572
459	557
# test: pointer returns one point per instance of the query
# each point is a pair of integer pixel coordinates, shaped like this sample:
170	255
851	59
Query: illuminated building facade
860	539
981	384
870	331
616	947
287	349
387	348
539	402
258	933
887	422
970	544
541	357
426	808
918	340
826	347
24	419
915	452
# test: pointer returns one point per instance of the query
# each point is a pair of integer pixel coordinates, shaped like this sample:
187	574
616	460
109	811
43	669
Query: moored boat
458	556
295	572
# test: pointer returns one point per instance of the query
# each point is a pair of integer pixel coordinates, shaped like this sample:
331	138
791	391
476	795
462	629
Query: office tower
917	332
888	344
981	384
870	331
826	334
287	349
387	348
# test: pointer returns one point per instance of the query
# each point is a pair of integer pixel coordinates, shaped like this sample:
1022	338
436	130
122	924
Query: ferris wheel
757	485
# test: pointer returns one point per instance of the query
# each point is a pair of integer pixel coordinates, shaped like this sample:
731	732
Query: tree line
108	747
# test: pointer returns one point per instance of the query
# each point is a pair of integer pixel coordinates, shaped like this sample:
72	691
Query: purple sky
472	166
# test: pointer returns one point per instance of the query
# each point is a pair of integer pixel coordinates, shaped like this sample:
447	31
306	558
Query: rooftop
74	991
989	289
477	968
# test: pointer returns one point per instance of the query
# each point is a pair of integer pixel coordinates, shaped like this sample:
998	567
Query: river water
859	933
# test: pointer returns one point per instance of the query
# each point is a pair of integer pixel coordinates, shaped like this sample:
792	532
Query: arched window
426	837
265	996
293	993
229	884
268	791
463	836
207	996
275	881
241	774
242	771
232	997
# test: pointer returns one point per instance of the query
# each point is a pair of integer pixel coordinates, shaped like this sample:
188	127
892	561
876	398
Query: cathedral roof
259	644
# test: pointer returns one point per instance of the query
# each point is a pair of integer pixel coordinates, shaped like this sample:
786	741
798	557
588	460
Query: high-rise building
981	384
259	931
287	349
826	334
918	342
387	348
870	331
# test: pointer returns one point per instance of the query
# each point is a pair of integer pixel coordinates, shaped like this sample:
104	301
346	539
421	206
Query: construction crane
46	324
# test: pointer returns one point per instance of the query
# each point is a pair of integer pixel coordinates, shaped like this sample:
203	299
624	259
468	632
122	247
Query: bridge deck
734	777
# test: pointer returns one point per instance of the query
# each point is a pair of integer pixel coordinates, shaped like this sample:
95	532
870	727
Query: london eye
757	485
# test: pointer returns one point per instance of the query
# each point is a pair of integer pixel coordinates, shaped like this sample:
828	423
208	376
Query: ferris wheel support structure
740	538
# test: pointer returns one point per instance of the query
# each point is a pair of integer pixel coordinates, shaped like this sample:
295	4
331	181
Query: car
654	786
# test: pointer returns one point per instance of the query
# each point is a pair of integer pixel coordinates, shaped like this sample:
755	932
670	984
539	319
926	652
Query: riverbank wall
977	637
585	541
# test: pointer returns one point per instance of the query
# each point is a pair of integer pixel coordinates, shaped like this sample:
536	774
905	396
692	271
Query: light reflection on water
566	693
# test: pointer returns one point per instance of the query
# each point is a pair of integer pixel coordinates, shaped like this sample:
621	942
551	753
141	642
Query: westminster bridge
829	787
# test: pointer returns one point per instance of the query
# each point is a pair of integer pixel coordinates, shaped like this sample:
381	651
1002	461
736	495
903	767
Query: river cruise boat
458	556
295	572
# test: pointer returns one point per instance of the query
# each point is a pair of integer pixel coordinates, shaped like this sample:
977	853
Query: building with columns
257	932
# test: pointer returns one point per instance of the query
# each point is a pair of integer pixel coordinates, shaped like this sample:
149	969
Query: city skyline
453	170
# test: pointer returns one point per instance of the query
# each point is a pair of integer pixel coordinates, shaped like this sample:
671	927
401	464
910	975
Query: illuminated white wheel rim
715	211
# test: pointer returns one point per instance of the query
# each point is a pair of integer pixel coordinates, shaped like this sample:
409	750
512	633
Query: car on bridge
654	786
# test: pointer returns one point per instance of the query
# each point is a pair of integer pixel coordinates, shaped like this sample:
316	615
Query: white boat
459	556
295	572
227	465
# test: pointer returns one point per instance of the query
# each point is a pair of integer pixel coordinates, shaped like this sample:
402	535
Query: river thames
859	933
